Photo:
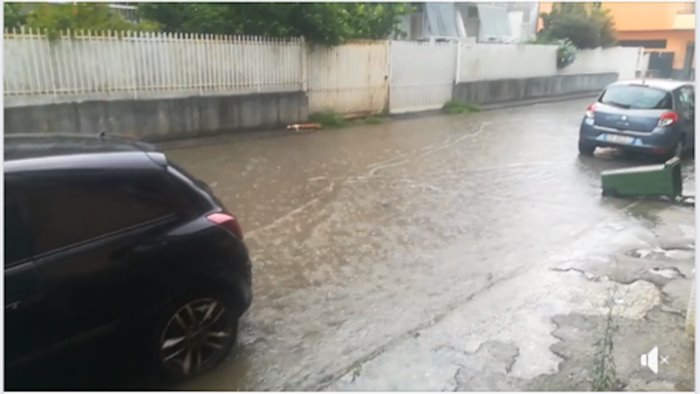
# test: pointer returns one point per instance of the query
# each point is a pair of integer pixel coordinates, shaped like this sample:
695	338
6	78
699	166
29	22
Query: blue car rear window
636	97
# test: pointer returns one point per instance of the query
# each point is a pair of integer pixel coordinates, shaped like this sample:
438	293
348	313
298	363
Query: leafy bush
374	119
585	25
13	15
56	17
457	107
566	53
330	23
328	119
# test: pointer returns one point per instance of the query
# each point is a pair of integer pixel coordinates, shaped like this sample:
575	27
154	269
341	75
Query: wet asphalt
363	237
463	252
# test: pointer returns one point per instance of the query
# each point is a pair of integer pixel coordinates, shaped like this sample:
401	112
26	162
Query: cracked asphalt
467	252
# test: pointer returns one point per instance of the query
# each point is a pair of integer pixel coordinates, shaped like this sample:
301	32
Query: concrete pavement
469	252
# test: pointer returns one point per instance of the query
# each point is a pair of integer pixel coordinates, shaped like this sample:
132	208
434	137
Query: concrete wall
482	62
159	119
169	118
244	83
505	90
623	61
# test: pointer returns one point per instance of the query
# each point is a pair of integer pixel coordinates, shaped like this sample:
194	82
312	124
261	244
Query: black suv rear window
636	97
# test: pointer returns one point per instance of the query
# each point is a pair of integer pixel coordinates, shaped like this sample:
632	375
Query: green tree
13	15
324	23
607	26
56	17
586	25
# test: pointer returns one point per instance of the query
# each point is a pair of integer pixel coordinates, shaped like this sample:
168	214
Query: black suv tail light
227	221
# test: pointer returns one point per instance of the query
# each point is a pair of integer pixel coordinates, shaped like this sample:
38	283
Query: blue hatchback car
654	117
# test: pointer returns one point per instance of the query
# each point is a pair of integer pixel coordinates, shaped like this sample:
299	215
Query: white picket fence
90	63
358	77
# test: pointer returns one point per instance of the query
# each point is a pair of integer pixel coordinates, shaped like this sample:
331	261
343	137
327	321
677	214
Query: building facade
482	22
665	30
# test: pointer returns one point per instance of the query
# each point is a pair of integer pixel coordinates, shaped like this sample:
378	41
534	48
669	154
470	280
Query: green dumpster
645	181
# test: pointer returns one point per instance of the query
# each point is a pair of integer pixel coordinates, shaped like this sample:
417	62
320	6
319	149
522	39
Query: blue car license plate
619	139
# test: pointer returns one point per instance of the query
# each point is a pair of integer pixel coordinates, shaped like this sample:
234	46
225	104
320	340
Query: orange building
666	30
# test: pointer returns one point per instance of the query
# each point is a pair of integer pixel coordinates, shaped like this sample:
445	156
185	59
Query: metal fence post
458	62
388	77
304	66
50	62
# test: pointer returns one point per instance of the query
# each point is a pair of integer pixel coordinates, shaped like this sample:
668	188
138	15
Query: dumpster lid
634	170
672	161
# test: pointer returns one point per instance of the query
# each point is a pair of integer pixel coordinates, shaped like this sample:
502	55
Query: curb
550	99
177	143
496	106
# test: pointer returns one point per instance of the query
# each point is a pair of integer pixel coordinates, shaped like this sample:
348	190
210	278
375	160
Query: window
18	242
648	44
73	209
636	97
686	98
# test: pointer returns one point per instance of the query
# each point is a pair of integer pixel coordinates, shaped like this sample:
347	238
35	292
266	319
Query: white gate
422	75
350	78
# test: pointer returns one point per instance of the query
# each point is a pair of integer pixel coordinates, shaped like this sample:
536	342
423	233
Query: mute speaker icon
651	359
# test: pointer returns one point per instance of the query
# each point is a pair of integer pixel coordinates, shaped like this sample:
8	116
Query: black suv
105	236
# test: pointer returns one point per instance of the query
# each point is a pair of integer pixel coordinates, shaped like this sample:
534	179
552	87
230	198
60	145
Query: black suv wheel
193	335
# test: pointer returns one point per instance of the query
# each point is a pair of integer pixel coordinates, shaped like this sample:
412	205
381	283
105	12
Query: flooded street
426	246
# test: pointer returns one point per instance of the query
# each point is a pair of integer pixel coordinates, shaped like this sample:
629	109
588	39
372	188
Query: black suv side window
76	208
18	241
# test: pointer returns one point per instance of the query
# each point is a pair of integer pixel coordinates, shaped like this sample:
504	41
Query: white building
472	22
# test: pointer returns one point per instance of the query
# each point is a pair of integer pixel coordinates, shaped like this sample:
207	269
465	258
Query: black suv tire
193	334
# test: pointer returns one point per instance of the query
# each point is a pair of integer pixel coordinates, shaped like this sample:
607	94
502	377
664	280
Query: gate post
388	76
457	63
304	66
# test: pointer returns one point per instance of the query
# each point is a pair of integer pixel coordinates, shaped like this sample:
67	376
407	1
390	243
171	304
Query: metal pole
458	62
304	75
